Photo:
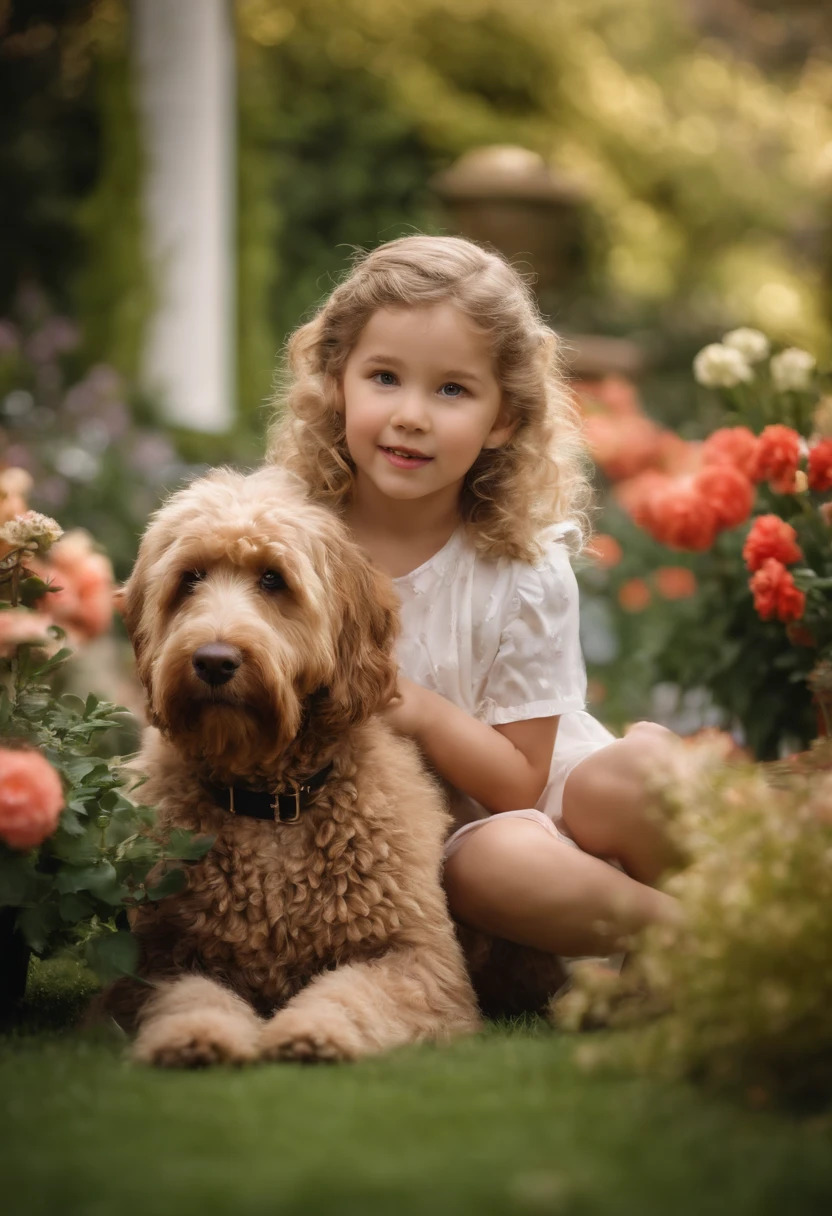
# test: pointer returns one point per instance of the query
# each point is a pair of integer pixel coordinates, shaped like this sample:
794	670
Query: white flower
31	529
718	366
792	368
751	343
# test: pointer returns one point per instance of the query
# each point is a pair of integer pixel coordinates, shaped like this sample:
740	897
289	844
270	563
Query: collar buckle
290	813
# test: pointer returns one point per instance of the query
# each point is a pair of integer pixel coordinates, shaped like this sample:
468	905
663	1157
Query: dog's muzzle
216	663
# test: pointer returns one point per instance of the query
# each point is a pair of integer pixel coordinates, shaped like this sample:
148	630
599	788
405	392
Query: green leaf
73	908
32	589
80	767
184	846
91	704
95	878
16	878
37	923
71	824
169	884
57	659
112	955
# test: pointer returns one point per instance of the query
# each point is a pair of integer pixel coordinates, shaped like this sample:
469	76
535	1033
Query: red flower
31	798
681	517
675	582
778	454
728	491
622	445
605	550
771	536
634	595
637	494
775	593
820	465
733	445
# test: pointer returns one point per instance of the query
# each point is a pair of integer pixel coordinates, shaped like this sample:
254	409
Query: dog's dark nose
216	662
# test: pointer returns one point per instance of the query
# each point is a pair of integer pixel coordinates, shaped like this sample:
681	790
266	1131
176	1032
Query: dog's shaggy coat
328	938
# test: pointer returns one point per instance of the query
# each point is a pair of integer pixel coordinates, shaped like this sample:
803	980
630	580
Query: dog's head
253	615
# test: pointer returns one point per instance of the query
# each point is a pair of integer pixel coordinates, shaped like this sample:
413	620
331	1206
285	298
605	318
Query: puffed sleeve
539	670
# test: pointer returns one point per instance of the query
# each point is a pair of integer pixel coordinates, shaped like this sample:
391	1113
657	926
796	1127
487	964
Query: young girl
425	403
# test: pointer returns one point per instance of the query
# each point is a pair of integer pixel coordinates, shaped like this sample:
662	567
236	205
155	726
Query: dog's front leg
406	996
192	1021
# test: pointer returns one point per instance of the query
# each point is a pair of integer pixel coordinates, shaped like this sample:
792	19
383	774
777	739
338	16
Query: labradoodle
315	928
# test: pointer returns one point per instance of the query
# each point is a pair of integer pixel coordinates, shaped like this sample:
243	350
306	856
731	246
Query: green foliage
743	981
105	856
113	294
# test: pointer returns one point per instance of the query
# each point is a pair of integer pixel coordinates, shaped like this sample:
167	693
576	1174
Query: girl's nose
410	412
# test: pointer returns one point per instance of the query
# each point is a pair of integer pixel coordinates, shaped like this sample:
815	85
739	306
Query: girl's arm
503	767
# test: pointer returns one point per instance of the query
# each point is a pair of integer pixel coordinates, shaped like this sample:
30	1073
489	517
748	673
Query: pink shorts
455	840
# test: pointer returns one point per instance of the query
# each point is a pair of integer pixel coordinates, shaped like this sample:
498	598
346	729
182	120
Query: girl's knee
487	857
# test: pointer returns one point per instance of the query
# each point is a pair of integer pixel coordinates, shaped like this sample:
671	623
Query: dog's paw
321	1035
196	1040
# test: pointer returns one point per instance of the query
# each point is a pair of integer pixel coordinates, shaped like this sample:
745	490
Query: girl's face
421	401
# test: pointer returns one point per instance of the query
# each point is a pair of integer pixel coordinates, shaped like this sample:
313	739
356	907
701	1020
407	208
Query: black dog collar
277	806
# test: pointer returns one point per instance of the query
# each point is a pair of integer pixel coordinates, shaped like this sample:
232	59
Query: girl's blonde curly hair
510	494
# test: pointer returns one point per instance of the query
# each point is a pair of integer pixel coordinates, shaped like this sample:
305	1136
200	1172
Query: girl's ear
502	430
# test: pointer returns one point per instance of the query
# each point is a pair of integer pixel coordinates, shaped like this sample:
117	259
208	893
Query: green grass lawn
504	1123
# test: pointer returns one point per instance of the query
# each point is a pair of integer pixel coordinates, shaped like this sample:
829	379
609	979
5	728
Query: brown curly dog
315	928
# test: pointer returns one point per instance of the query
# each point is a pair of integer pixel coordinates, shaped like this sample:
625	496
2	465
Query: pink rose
17	625
84	605
31	798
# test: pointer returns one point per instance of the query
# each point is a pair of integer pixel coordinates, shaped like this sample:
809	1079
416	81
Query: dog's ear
365	679
132	610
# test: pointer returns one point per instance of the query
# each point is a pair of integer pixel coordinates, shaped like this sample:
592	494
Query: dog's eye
272	580
190	579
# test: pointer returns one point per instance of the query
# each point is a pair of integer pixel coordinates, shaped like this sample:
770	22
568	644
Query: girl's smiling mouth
405	458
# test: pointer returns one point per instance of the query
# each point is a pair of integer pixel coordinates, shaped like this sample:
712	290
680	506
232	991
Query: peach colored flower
636	495
605	550
733	445
770	536
622	445
820	465
728	491
18	625
31	798
682	518
615	393
677	455
775	593
84	604
778	454
675	582
634	595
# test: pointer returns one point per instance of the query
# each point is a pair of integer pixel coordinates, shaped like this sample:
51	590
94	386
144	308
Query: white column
185	55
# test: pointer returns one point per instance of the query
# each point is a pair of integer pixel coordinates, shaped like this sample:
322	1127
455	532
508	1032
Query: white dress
500	639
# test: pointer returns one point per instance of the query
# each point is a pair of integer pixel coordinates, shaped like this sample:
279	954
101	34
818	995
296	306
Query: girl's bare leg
608	808
514	879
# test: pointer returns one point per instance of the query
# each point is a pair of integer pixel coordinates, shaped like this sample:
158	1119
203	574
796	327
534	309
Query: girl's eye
385	378
452	390
272	580
190	579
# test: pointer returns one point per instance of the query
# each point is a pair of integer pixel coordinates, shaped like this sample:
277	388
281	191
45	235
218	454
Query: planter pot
14	963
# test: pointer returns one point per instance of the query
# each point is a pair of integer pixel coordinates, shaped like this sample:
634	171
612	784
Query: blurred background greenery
690	143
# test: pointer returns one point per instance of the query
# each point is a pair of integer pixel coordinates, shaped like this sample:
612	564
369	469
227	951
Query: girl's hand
405	711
